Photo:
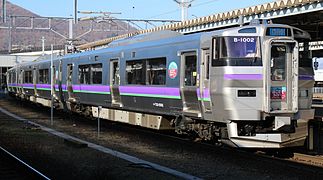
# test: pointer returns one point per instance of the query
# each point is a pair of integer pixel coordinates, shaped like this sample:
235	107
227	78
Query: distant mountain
24	39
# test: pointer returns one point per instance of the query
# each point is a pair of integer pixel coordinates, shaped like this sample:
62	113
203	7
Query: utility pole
52	86
10	35
4	11
43	45
70	39
184	4
75	12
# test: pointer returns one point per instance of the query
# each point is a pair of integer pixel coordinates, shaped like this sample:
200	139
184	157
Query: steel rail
24	163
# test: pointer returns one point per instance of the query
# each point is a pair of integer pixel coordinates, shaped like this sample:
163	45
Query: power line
207	2
169	12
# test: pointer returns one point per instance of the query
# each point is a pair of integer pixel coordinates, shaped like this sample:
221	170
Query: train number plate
278	93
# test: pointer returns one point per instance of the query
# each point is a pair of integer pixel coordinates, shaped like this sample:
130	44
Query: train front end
260	97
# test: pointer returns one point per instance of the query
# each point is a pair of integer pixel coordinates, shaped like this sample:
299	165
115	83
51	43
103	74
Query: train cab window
28	79
43	76
96	73
239	47
84	74
237	51
190	70
156	71
136	72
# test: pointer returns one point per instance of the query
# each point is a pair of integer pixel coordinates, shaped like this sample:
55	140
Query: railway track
281	155
41	116
13	168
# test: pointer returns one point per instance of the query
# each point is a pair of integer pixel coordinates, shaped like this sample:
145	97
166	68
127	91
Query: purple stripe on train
243	76
94	88
165	91
76	87
28	85
306	77
45	86
206	93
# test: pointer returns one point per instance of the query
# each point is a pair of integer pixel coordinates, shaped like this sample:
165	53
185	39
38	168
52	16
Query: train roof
143	40
154	36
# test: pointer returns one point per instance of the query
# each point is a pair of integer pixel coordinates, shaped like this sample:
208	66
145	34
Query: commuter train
245	86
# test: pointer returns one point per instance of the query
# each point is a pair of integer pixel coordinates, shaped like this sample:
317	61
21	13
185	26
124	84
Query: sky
134	9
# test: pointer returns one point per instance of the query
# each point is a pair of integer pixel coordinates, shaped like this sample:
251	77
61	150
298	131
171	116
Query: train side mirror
316	64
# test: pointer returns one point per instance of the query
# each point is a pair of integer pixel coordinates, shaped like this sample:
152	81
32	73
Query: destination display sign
278	31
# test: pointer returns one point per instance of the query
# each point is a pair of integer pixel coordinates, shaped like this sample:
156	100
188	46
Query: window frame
28	77
42	75
217	48
89	78
147	71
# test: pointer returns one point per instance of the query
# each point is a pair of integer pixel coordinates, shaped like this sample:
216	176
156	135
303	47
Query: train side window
156	71
43	76
116	72
207	65
84	74
136	72
96	73
190	70
278	63
11	77
28	77
14	77
90	73
215	51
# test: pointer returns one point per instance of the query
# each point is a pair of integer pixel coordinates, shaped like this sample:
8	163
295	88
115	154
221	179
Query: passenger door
283	74
189	84
35	78
69	83
204	91
115	83
21	81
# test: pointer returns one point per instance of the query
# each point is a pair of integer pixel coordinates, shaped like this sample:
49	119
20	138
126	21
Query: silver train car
242	86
